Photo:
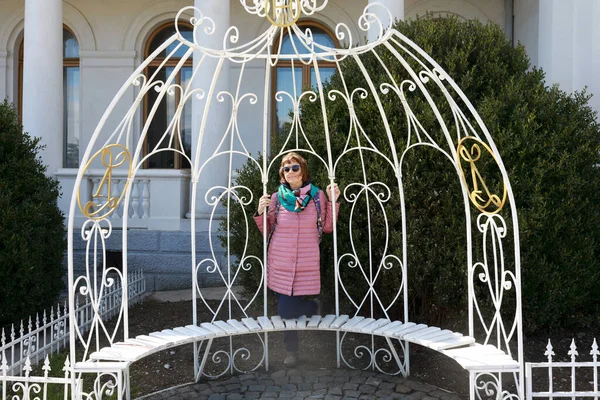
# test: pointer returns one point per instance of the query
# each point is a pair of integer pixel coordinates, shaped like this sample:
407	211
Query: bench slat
187	331
290	323
251	324
213	328
265	323
407	329
350	324
369	328
137	342
226	327
421	332
277	322
451	343
385	328
314	321
328	320
201	332
174	338
241	328
361	324
429	341
301	322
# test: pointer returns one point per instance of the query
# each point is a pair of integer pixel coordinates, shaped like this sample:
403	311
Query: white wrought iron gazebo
492	348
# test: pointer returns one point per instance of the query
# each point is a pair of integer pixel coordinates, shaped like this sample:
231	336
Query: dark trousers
293	307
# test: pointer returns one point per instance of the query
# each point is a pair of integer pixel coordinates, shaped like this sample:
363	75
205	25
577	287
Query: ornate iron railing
40	337
571	384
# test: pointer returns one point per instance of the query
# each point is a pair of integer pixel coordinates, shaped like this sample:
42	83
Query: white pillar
3	73
43	78
556	39
213	129
586	53
395	7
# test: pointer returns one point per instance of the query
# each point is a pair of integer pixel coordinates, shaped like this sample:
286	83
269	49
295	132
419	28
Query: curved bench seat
463	349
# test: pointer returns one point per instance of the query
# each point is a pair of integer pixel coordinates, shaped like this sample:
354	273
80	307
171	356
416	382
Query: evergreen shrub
32	240
549	142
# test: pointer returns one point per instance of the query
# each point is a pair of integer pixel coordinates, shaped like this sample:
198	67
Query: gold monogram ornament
469	150
283	13
112	157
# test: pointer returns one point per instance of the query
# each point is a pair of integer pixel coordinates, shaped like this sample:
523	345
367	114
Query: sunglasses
294	168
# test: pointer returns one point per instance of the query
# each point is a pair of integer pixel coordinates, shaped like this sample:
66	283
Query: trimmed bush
32	240
549	142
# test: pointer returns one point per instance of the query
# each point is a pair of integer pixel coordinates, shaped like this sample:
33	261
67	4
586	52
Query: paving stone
273	389
245	377
320	391
367	397
294	372
287	395
233	386
256	388
235	396
430	398
289	387
207	392
269	395
373	381
332	397
358	379
387	386
310	378
350	386
326	379
419	386
216	397
367	389
417	395
219	389
295	379
340	379
303	393
281	381
278	374
265	381
352	393
336	391
320	385
252	395
369	373
400	388
305	386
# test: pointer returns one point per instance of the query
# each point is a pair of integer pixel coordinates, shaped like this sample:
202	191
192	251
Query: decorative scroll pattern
479	193
493	386
103	193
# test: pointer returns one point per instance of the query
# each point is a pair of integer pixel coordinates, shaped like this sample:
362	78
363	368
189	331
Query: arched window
71	97
168	104
284	76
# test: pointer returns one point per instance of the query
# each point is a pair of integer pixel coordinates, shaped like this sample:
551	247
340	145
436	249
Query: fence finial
27	368
46	368
549	353
594	352
573	352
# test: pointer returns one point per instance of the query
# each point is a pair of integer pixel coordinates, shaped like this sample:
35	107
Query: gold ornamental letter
469	150
283	13
102	205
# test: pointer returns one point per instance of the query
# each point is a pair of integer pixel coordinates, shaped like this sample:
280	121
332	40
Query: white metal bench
463	349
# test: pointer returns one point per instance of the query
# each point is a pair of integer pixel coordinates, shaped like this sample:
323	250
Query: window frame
177	164
306	69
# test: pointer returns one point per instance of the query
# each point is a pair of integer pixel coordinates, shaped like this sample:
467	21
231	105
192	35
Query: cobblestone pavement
302	384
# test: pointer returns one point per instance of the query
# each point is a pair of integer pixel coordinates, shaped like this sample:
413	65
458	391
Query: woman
294	229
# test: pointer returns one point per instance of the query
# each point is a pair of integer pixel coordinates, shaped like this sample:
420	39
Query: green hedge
32	240
549	142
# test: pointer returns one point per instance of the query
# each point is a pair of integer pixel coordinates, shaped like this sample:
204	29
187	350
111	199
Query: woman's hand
263	203
336	192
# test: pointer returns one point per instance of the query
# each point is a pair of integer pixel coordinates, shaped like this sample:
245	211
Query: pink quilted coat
293	266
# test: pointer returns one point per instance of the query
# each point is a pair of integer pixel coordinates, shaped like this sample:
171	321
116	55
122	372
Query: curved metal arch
465	122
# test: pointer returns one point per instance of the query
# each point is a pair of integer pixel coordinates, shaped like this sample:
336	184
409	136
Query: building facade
61	63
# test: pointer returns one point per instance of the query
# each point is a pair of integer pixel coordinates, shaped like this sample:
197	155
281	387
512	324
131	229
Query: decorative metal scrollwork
283	13
469	150
111	162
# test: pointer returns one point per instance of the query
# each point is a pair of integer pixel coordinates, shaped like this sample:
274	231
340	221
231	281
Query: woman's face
294	178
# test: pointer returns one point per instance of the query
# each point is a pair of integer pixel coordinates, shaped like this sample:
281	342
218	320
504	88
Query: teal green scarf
292	200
